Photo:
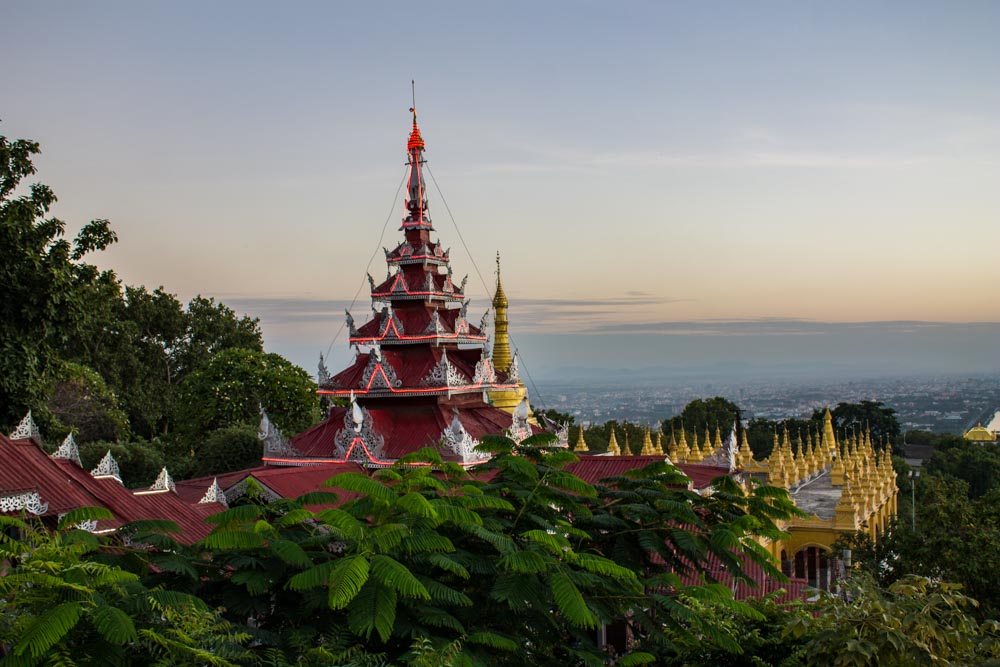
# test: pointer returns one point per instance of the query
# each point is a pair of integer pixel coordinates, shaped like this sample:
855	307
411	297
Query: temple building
424	375
979	434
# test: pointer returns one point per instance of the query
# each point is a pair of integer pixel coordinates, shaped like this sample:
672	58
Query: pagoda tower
506	399
422	373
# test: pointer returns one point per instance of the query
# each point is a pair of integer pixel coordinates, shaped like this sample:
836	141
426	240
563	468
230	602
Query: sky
670	184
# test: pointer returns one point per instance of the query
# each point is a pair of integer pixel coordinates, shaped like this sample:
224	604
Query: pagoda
423	374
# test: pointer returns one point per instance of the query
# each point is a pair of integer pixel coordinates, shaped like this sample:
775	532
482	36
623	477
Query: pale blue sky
634	162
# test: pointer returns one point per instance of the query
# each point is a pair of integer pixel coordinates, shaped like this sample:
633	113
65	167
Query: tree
705	413
139	461
226	449
232	387
79	399
914	621
62	603
41	282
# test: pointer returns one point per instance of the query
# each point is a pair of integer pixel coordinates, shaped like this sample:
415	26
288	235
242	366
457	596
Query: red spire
415	141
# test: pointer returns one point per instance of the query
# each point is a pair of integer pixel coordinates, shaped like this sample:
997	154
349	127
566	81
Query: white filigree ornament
29	502
274	443
379	373
68	450
513	373
444	374
214	494
358	426
164	482
520	429
484	372
323	373
26	429
108	467
458	440
435	326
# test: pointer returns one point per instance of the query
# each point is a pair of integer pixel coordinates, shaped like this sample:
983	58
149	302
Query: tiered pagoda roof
423	373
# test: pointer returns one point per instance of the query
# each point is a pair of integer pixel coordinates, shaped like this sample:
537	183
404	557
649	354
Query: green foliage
79	399
42	282
226	449
915	621
140	461
230	389
872	415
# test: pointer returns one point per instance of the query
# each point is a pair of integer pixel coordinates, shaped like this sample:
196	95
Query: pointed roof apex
68	450
108	467
164	482
27	430
500	298
214	494
415	142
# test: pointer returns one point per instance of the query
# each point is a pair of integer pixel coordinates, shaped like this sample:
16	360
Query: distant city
935	403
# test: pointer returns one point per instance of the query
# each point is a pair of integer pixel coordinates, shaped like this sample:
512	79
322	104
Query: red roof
290	482
65	486
405	427
592	469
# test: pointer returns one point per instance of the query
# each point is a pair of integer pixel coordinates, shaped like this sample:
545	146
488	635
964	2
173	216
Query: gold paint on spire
647	444
613	444
717	443
501	341
659	442
581	444
683	451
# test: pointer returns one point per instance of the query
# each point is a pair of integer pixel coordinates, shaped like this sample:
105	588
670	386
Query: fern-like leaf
358	483
374	609
390	572
570	601
48	629
114	624
347	577
81	514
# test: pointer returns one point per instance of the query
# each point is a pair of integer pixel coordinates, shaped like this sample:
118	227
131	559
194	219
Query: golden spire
683	452
659	443
581	444
745	453
672	445
501	342
628	449
647	444
613	444
717	443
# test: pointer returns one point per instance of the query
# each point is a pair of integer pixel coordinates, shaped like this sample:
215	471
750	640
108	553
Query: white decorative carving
351	329
371	283
30	502
164	482
358	424
214	494
27	430
372	379
513	375
458	440
400	284
435	326
519	426
444	374
89	525
322	373
388	315
274	443
108	467
68	450
430	283
465	280
562	435
484	372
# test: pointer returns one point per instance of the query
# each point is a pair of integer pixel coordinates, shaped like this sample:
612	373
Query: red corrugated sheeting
592	469
66	486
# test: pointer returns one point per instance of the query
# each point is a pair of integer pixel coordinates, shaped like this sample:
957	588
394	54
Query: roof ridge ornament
458	440
27	429
164	482
68	450
274	443
444	374
358	425
520	429
214	494
323	373
30	501
108	467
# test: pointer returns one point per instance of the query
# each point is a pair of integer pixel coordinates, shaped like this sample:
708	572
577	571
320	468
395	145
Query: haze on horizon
706	183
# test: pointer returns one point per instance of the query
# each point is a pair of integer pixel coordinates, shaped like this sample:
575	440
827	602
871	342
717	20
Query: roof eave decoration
444	374
520	429
214	494
274	443
68	450
379	373
458	440
27	430
358	440
30	502
164	483
108	467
